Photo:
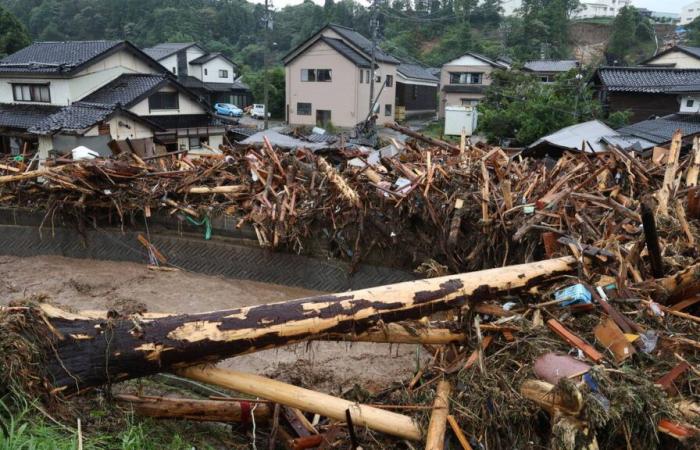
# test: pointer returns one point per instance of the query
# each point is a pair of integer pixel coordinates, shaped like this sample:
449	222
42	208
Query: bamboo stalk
199	410
306	400
435	438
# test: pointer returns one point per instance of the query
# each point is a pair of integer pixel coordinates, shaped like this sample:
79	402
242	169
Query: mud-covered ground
99	285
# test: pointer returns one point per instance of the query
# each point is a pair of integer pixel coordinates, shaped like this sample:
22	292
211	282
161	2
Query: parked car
258	111
227	109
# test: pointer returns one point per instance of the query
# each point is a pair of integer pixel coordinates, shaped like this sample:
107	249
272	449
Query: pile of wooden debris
596	344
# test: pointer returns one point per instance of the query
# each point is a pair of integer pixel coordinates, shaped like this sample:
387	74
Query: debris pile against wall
592	341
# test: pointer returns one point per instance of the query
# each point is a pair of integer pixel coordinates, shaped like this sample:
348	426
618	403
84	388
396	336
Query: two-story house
464	80
212	76
328	78
59	95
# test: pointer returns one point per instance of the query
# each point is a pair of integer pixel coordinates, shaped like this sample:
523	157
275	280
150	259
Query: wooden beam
435	438
199	410
306	400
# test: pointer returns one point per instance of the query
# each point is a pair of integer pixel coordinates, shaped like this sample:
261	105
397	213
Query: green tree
692	32
541	29
519	106
254	79
632	38
13	35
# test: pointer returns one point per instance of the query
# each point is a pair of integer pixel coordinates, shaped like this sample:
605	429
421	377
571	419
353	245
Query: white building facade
588	9
689	12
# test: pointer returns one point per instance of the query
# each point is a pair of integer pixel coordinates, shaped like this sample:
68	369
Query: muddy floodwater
99	285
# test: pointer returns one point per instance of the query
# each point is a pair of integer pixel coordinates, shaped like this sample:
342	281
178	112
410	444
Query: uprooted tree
64	352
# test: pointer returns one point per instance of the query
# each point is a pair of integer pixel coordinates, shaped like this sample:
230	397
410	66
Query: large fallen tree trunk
86	352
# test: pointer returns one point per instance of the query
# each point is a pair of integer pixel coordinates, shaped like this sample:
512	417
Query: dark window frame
304	109
456	78
224	72
316	75
153	105
689	103
387	110
34	92
389	80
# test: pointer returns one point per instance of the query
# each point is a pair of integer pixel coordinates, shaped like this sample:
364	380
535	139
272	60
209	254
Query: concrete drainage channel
229	257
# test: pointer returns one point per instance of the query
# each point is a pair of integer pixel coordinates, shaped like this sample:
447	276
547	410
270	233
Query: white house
58	95
689	12
213	76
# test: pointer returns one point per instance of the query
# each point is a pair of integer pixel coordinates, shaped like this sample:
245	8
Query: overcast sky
654	5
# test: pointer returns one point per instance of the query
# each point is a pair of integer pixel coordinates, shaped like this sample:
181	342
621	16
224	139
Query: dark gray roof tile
661	130
75	117
54	57
347	51
551	65
364	44
125	89
164	50
649	79
417	71
24	116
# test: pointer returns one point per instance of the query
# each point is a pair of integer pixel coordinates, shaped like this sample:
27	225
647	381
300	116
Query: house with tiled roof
328	79
416	90
678	56
463	80
648	91
211	75
59	95
548	69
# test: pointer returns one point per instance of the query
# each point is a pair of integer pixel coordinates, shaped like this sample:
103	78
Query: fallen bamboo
306	400
234	189
199	410
435	438
75	357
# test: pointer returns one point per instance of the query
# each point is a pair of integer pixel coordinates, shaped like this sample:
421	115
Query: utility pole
266	90
374	25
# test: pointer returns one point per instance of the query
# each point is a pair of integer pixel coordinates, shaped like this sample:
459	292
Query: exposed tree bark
91	352
428	140
200	410
652	239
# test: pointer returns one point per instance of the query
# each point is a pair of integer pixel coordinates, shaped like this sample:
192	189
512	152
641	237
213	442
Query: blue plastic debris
573	295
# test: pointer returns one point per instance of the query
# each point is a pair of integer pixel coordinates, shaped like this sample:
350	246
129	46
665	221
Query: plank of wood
575	341
666	381
306	400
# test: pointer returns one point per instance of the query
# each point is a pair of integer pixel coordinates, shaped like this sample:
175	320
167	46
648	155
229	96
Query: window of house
206	72
389	80
465	78
103	129
689	103
387	110
223	73
163	100
31	93
308	75
304	109
367	76
415	91
323	75
175	70
195	142
362	76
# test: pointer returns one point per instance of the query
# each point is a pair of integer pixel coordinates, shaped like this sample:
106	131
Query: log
435	438
25	176
339	182
670	174
652	239
552	400
198	410
87	352
691	178
306	400
428	140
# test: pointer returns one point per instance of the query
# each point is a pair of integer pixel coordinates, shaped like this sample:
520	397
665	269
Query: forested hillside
430	31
